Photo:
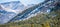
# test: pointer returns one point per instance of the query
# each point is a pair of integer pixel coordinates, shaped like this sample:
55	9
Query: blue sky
25	2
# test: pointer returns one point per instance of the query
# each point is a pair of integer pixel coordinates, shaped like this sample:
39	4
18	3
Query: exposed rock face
9	10
12	11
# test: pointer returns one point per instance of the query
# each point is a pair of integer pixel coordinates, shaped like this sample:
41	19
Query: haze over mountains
16	10
10	10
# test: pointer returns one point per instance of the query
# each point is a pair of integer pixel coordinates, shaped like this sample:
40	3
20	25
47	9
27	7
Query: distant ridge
10	2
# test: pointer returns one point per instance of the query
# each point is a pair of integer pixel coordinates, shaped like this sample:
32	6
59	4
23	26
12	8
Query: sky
2	1
25	2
